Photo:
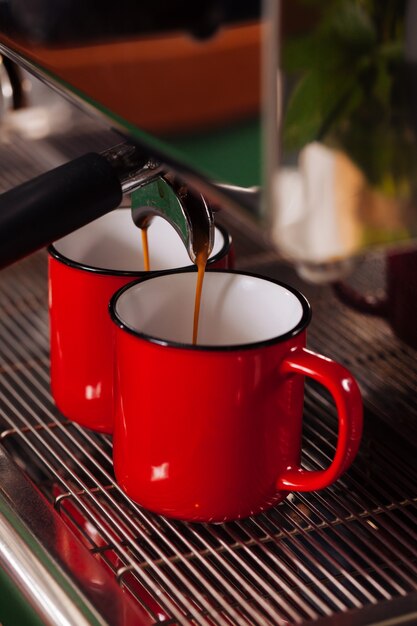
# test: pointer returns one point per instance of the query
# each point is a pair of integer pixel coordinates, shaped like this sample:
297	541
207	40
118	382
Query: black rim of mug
222	253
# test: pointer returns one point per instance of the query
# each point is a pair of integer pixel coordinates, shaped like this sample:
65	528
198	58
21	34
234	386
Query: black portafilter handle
58	202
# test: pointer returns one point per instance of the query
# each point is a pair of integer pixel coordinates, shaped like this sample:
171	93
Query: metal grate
313	556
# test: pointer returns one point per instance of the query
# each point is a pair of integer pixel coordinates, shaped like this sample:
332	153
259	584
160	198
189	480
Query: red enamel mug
212	432
85	269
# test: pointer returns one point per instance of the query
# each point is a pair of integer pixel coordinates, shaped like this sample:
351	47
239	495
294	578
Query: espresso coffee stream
145	248
201	262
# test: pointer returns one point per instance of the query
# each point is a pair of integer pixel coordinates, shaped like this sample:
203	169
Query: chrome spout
187	212
58	202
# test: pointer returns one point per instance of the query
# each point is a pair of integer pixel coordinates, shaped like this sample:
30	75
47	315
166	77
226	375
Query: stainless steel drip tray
343	555
55	575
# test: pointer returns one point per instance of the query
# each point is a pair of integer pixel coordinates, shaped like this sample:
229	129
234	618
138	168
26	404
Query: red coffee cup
398	306
85	269
212	432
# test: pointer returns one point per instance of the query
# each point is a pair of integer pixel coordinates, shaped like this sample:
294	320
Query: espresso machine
294	123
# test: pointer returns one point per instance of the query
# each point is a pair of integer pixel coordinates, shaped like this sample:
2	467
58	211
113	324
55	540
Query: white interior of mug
113	242
236	309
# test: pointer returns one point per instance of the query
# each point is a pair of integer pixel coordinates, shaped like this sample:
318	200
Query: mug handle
345	391
363	303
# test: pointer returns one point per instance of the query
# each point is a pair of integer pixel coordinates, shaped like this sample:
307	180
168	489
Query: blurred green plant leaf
307	53
346	33
350	25
316	103
346	91
383	84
